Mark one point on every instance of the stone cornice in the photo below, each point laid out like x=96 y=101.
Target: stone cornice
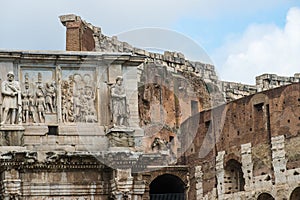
x=72 y=56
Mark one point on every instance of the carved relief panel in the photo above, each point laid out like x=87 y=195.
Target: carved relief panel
x=39 y=95
x=49 y=94
x=78 y=96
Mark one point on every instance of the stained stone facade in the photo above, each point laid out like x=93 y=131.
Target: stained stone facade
x=86 y=124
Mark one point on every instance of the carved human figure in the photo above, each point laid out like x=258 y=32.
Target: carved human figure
x=11 y=98
x=64 y=110
x=119 y=108
x=40 y=103
x=25 y=103
x=77 y=105
x=89 y=99
x=32 y=110
x=50 y=97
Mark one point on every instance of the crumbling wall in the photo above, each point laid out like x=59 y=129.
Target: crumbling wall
x=234 y=90
x=269 y=123
x=83 y=36
x=269 y=81
x=173 y=61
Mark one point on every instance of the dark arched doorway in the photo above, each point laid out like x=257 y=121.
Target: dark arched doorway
x=265 y=196
x=295 y=194
x=234 y=179
x=167 y=187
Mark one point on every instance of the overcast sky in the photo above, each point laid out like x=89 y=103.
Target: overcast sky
x=242 y=39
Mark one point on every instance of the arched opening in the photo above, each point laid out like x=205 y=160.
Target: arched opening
x=295 y=194
x=167 y=187
x=265 y=196
x=233 y=179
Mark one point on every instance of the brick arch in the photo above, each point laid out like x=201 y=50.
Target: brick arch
x=259 y=98
x=232 y=156
x=167 y=186
x=179 y=172
x=265 y=196
x=182 y=175
x=295 y=194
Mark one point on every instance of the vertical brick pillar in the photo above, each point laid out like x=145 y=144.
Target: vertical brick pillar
x=79 y=36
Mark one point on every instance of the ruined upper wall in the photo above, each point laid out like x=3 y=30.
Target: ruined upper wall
x=269 y=81
x=83 y=36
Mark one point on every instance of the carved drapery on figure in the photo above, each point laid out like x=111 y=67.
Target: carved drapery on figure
x=78 y=99
x=119 y=106
x=12 y=104
x=28 y=103
x=38 y=99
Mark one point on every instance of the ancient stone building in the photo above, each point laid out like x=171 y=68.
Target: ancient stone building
x=105 y=120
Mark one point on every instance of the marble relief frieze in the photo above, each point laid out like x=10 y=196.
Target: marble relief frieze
x=55 y=95
x=39 y=96
x=78 y=96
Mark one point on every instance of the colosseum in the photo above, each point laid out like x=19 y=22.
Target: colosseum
x=104 y=120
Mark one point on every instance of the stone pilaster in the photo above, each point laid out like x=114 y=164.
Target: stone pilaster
x=139 y=188
x=247 y=165
x=11 y=185
x=122 y=184
x=199 y=183
x=220 y=174
x=278 y=159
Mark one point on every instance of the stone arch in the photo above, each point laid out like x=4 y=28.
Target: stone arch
x=234 y=177
x=295 y=194
x=265 y=196
x=167 y=186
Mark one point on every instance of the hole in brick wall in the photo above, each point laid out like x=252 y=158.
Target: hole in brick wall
x=207 y=124
x=268 y=178
x=52 y=130
x=299 y=118
x=238 y=132
x=250 y=129
x=288 y=121
x=194 y=107
x=259 y=106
